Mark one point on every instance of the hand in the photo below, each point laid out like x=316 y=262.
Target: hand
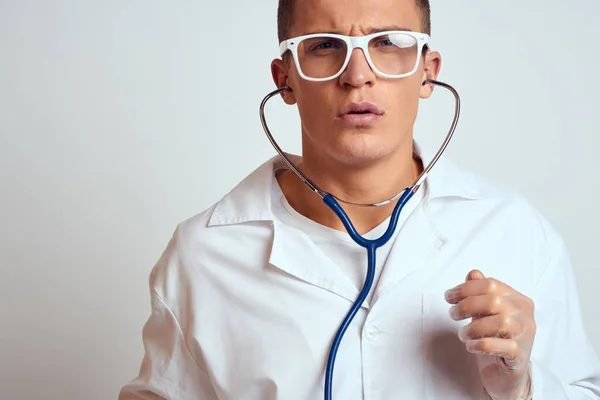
x=501 y=333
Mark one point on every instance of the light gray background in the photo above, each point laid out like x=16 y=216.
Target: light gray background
x=120 y=118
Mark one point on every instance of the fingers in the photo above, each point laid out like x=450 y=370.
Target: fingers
x=498 y=326
x=474 y=275
x=481 y=306
x=476 y=287
x=507 y=349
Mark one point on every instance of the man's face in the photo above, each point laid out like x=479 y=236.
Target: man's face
x=328 y=131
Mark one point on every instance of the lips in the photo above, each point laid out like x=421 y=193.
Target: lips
x=360 y=115
x=361 y=108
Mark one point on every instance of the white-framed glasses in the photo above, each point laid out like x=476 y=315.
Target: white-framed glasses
x=324 y=56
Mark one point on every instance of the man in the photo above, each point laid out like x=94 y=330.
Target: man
x=474 y=297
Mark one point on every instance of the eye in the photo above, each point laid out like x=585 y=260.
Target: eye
x=385 y=43
x=325 y=45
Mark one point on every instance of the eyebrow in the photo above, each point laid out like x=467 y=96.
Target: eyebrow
x=369 y=30
x=388 y=28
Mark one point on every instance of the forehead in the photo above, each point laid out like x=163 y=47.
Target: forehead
x=354 y=17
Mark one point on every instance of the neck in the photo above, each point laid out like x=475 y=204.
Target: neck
x=362 y=184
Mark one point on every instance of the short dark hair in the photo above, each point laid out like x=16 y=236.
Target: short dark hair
x=286 y=8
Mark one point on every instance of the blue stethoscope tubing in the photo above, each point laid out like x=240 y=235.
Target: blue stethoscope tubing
x=370 y=245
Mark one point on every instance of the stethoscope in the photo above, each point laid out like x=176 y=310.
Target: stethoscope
x=371 y=245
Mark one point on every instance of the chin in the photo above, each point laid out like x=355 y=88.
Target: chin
x=354 y=147
x=363 y=150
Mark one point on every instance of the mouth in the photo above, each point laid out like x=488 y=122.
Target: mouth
x=362 y=109
x=361 y=114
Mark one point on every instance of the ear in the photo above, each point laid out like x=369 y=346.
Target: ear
x=279 y=71
x=433 y=64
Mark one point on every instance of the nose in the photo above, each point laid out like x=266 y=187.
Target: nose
x=358 y=72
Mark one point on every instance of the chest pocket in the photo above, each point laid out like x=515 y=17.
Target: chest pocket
x=451 y=371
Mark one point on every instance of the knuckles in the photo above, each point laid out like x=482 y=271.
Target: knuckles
x=492 y=285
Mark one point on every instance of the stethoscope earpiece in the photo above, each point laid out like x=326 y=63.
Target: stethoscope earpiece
x=283 y=89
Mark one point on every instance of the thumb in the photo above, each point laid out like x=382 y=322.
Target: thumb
x=475 y=275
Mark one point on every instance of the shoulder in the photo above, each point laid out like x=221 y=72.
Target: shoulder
x=495 y=216
x=507 y=202
x=209 y=236
x=170 y=274
x=494 y=199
